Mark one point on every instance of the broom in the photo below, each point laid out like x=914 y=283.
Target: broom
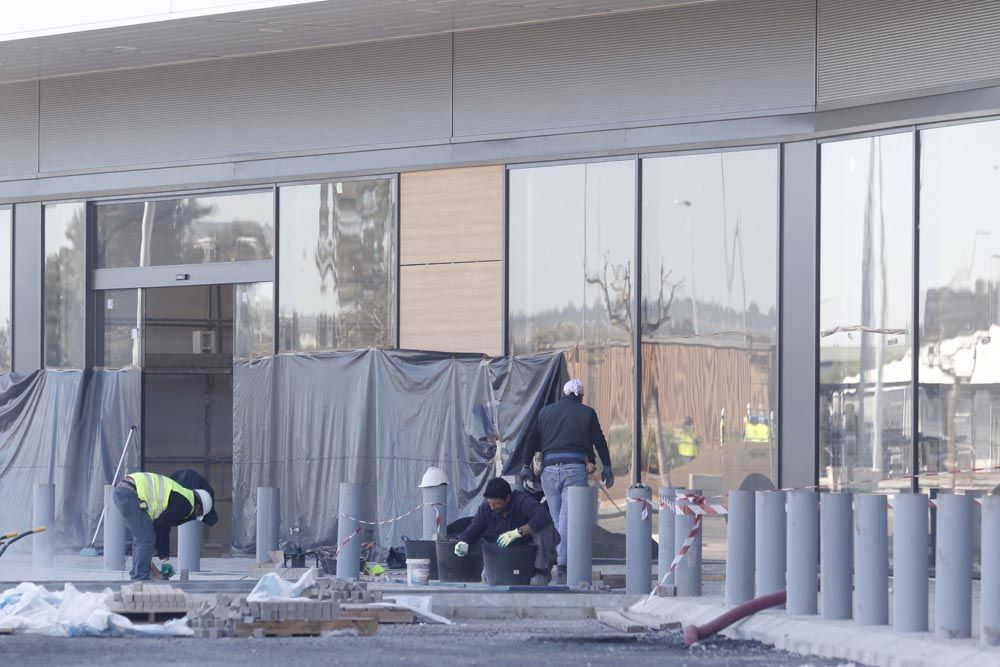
x=91 y=550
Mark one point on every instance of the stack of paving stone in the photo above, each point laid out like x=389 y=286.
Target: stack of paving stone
x=216 y=616
x=140 y=598
x=341 y=590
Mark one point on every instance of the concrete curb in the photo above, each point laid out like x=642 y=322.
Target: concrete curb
x=809 y=635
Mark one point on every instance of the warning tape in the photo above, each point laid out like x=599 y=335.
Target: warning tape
x=385 y=522
x=689 y=541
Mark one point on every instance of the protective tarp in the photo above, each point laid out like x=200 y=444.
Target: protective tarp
x=67 y=428
x=306 y=422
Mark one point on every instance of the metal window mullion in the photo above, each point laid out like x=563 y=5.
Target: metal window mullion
x=915 y=320
x=637 y=333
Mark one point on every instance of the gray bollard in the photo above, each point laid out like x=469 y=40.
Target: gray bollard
x=990 y=579
x=802 y=552
x=953 y=569
x=740 y=547
x=769 y=542
x=687 y=574
x=638 y=540
x=189 y=538
x=871 y=560
x=667 y=549
x=43 y=514
x=435 y=499
x=910 y=542
x=836 y=555
x=114 y=532
x=268 y=516
x=348 y=535
x=581 y=501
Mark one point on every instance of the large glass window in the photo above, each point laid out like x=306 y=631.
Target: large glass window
x=253 y=321
x=120 y=321
x=187 y=230
x=959 y=370
x=571 y=249
x=6 y=280
x=866 y=342
x=65 y=284
x=710 y=322
x=337 y=269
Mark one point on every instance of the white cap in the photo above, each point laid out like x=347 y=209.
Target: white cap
x=574 y=386
x=433 y=477
x=206 y=502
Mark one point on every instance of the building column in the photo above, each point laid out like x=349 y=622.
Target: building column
x=28 y=272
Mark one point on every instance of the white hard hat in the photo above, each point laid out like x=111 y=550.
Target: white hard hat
x=433 y=477
x=206 y=502
x=574 y=386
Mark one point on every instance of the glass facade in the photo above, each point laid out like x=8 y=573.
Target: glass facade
x=866 y=302
x=120 y=328
x=188 y=230
x=338 y=265
x=253 y=321
x=65 y=284
x=6 y=293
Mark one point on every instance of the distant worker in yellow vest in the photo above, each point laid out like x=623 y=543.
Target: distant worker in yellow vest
x=759 y=429
x=153 y=504
x=686 y=442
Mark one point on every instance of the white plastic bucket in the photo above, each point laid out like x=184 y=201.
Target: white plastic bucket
x=418 y=571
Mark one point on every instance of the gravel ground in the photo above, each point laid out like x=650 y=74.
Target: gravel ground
x=576 y=643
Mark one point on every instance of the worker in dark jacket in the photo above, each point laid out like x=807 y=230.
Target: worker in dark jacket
x=153 y=504
x=513 y=517
x=566 y=433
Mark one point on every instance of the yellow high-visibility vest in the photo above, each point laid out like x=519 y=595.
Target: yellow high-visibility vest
x=154 y=490
x=686 y=443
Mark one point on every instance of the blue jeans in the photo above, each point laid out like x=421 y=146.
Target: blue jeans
x=556 y=480
x=141 y=527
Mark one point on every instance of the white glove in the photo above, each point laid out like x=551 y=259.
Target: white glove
x=461 y=549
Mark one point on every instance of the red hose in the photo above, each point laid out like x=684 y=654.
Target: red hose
x=695 y=633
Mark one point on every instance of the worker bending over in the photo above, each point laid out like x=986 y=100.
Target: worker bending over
x=153 y=504
x=513 y=517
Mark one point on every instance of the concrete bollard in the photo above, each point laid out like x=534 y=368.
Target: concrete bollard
x=43 y=514
x=910 y=541
x=687 y=574
x=268 y=516
x=348 y=537
x=114 y=532
x=740 y=547
x=667 y=549
x=953 y=569
x=871 y=560
x=769 y=542
x=435 y=499
x=990 y=566
x=638 y=539
x=802 y=552
x=836 y=555
x=580 y=530
x=189 y=538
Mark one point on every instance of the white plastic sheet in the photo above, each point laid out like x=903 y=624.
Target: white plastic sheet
x=273 y=587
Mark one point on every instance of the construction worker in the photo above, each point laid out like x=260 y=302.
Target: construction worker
x=566 y=433
x=686 y=441
x=513 y=517
x=153 y=504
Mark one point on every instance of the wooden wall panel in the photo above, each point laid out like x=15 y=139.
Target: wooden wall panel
x=451 y=215
x=452 y=307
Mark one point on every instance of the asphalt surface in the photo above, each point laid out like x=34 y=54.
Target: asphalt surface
x=493 y=643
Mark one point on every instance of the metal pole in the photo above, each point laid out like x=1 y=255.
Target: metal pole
x=989 y=634
x=580 y=532
x=740 y=547
x=114 y=532
x=638 y=540
x=267 y=522
x=871 y=560
x=910 y=542
x=667 y=548
x=802 y=552
x=687 y=575
x=44 y=515
x=953 y=568
x=769 y=542
x=435 y=498
x=348 y=536
x=836 y=555
x=189 y=546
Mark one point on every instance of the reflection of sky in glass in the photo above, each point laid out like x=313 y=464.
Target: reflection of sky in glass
x=5 y=286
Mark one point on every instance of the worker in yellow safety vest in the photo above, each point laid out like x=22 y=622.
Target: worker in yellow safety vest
x=153 y=504
x=686 y=441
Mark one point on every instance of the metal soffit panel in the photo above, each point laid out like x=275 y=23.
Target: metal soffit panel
x=302 y=26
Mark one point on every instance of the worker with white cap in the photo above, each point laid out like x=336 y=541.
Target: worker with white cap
x=566 y=434
x=153 y=504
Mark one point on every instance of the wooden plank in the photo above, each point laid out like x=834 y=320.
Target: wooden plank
x=380 y=614
x=6 y=631
x=363 y=626
x=619 y=622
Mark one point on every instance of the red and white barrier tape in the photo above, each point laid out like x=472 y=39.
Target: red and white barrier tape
x=685 y=548
x=384 y=522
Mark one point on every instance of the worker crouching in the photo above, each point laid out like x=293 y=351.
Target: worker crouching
x=513 y=517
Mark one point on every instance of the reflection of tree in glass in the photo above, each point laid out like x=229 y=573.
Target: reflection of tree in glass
x=65 y=289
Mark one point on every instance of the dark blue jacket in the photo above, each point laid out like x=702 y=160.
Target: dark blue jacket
x=522 y=509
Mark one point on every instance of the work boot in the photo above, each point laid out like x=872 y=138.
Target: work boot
x=541 y=578
x=560 y=575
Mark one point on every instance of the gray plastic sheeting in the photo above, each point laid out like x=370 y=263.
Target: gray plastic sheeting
x=66 y=428
x=306 y=422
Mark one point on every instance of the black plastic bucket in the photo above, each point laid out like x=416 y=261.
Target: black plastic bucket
x=511 y=566
x=466 y=569
x=422 y=549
